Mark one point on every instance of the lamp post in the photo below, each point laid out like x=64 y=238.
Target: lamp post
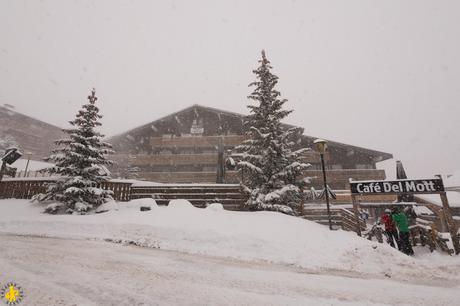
x=28 y=154
x=320 y=146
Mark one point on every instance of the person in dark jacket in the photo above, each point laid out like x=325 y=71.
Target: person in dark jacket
x=390 y=229
x=400 y=219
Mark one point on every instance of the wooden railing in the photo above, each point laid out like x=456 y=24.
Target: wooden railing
x=196 y=141
x=22 y=188
x=141 y=160
x=340 y=217
x=199 y=177
x=27 y=188
x=200 y=195
x=121 y=190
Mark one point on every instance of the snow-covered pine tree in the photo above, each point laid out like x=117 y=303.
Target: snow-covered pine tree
x=80 y=161
x=270 y=165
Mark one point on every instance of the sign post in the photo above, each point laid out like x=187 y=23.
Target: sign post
x=453 y=229
x=356 y=213
x=399 y=187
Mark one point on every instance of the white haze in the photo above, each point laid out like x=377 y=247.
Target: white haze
x=379 y=74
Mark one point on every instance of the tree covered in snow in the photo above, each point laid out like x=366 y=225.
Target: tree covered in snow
x=80 y=162
x=270 y=165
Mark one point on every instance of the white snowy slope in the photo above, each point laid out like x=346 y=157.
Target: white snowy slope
x=266 y=236
x=193 y=256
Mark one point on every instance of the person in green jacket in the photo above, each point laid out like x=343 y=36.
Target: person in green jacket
x=400 y=219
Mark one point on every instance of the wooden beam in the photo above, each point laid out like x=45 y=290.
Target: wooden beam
x=356 y=212
x=452 y=227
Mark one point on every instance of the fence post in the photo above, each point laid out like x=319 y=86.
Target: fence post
x=453 y=229
x=356 y=212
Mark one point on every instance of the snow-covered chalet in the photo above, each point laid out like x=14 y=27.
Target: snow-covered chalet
x=182 y=148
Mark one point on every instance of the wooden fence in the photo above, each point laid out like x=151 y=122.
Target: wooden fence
x=23 y=189
x=26 y=189
x=341 y=217
x=200 y=195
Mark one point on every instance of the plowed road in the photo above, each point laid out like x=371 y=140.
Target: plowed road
x=79 y=272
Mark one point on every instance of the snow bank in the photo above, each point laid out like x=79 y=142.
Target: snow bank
x=138 y=203
x=111 y=205
x=181 y=206
x=215 y=207
x=267 y=236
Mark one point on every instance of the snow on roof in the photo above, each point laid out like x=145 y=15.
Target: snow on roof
x=34 y=165
x=452 y=196
x=422 y=210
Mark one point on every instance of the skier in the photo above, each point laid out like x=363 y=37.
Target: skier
x=390 y=229
x=400 y=220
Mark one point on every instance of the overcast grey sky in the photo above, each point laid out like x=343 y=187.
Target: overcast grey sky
x=379 y=74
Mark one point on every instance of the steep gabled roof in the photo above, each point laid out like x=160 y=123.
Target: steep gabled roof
x=378 y=155
x=31 y=135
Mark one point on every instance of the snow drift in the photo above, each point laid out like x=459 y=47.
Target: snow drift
x=266 y=236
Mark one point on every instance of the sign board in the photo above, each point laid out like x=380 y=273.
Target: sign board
x=196 y=130
x=397 y=187
x=11 y=155
x=405 y=187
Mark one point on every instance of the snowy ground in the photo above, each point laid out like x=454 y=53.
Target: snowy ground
x=209 y=256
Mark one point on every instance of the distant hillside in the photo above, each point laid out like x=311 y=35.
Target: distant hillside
x=29 y=134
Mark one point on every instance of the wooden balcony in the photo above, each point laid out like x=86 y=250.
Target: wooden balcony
x=196 y=141
x=184 y=159
x=337 y=179
x=141 y=160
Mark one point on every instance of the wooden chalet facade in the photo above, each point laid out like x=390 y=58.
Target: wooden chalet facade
x=182 y=148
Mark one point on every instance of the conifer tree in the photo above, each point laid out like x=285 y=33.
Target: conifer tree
x=80 y=162
x=270 y=165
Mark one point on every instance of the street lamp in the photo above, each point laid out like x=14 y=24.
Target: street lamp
x=320 y=146
x=28 y=155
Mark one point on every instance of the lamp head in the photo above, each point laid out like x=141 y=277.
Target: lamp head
x=320 y=146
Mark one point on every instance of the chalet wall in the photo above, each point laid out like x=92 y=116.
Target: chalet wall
x=196 y=141
x=337 y=179
x=182 y=148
